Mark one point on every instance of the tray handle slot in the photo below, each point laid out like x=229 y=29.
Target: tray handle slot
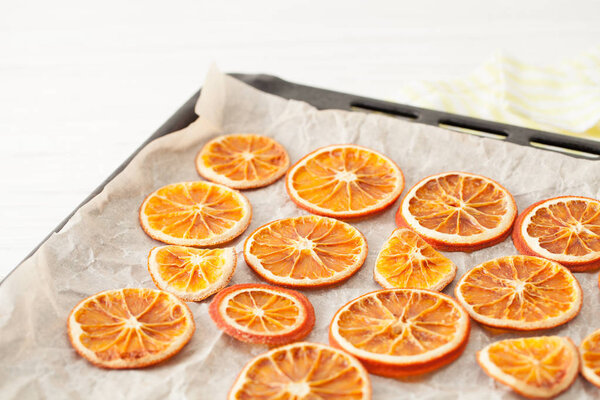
x=473 y=129
x=565 y=149
x=388 y=109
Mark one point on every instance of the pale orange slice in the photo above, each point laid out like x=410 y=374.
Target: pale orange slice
x=307 y=251
x=407 y=261
x=399 y=332
x=242 y=161
x=130 y=328
x=458 y=211
x=195 y=214
x=564 y=229
x=590 y=358
x=266 y=314
x=520 y=292
x=189 y=273
x=309 y=371
x=535 y=367
x=344 y=181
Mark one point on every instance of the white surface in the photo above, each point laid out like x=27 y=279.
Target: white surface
x=83 y=83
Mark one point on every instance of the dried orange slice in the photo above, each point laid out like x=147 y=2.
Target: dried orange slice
x=458 y=211
x=520 y=292
x=407 y=261
x=242 y=161
x=307 y=251
x=400 y=332
x=344 y=181
x=590 y=358
x=564 y=229
x=189 y=273
x=129 y=328
x=302 y=371
x=257 y=313
x=195 y=214
x=535 y=367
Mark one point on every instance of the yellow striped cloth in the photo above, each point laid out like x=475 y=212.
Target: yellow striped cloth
x=564 y=98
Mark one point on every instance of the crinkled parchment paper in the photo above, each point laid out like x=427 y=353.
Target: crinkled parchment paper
x=103 y=247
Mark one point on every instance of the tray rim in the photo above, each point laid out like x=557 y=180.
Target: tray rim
x=185 y=115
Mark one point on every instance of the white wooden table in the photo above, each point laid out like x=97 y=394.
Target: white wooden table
x=83 y=83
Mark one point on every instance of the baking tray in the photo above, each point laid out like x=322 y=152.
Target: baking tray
x=328 y=99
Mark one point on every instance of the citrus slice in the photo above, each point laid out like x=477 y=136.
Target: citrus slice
x=257 y=313
x=302 y=371
x=344 y=181
x=308 y=251
x=458 y=211
x=189 y=273
x=564 y=229
x=535 y=367
x=590 y=358
x=129 y=328
x=407 y=261
x=242 y=161
x=195 y=214
x=400 y=332
x=520 y=292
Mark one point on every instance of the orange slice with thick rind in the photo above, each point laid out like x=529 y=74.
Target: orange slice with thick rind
x=520 y=292
x=130 y=328
x=400 y=332
x=195 y=214
x=535 y=367
x=458 y=211
x=564 y=229
x=258 y=313
x=242 y=161
x=308 y=251
x=302 y=371
x=407 y=261
x=344 y=181
x=189 y=273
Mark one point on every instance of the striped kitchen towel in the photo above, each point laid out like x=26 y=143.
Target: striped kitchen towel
x=564 y=98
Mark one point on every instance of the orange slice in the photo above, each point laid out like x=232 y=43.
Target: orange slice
x=590 y=358
x=407 y=261
x=344 y=181
x=400 y=332
x=307 y=251
x=189 y=273
x=564 y=229
x=129 y=328
x=195 y=214
x=242 y=161
x=535 y=367
x=267 y=314
x=520 y=292
x=458 y=211
x=302 y=370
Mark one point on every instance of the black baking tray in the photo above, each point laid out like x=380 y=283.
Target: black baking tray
x=328 y=99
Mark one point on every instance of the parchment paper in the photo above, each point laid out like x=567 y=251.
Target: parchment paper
x=103 y=247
